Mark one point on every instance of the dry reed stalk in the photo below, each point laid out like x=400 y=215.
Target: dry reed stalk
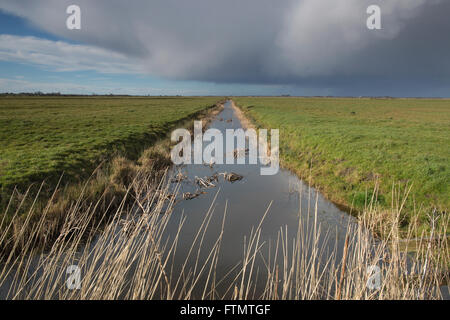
x=344 y=263
x=130 y=257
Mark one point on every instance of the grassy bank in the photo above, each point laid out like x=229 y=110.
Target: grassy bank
x=350 y=147
x=97 y=175
x=41 y=137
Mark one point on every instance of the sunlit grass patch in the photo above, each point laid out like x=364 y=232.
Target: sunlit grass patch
x=345 y=146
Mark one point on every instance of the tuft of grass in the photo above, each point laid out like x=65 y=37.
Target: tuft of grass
x=157 y=157
x=123 y=172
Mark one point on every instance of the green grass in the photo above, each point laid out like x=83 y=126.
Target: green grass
x=345 y=144
x=41 y=137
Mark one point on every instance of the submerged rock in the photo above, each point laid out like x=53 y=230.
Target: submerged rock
x=178 y=178
x=190 y=196
x=232 y=177
x=205 y=182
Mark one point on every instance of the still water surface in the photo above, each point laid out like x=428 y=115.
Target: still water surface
x=246 y=202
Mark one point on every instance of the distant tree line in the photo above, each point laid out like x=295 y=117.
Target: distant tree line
x=58 y=94
x=37 y=93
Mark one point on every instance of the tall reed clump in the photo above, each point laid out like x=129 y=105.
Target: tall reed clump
x=27 y=215
x=130 y=254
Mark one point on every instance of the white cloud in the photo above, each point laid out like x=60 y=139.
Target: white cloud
x=62 y=56
x=15 y=85
x=66 y=87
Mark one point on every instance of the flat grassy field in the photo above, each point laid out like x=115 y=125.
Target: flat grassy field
x=347 y=144
x=40 y=137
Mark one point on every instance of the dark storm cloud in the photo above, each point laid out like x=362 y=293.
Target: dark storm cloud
x=315 y=43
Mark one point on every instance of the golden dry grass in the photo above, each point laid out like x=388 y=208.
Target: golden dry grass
x=129 y=257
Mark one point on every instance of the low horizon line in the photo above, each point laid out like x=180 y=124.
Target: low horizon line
x=58 y=94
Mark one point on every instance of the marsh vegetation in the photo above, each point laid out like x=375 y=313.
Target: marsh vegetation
x=137 y=232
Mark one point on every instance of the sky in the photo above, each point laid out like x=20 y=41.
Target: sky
x=233 y=47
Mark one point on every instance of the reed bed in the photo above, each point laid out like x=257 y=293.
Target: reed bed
x=129 y=254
